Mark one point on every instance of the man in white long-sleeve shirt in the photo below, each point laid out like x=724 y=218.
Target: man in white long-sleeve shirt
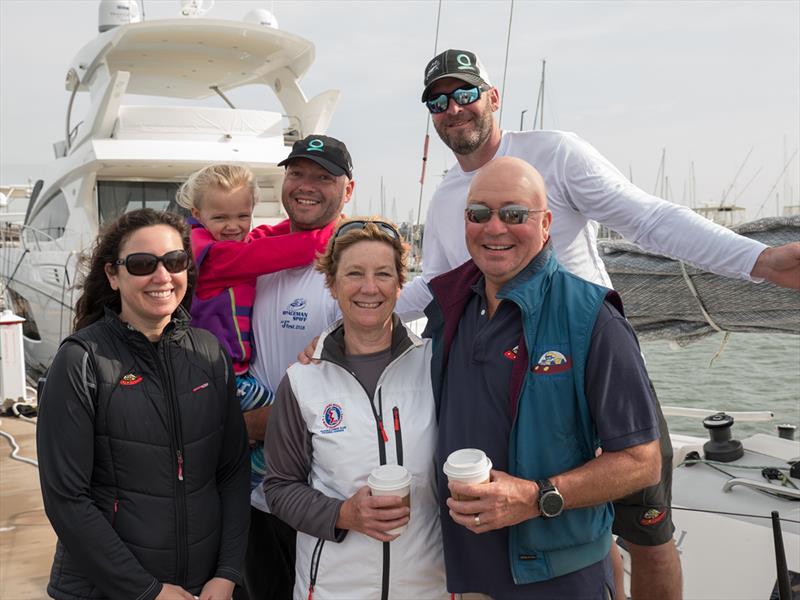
x=583 y=188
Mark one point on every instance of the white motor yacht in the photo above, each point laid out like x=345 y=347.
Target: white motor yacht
x=122 y=156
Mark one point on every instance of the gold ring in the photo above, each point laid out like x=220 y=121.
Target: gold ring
x=477 y=520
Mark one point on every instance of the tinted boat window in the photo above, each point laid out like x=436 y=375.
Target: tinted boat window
x=118 y=197
x=49 y=221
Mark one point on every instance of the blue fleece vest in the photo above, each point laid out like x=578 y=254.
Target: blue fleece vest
x=553 y=431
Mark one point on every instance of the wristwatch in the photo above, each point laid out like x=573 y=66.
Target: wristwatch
x=551 y=502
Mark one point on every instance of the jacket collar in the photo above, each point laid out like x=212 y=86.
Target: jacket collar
x=177 y=326
x=330 y=345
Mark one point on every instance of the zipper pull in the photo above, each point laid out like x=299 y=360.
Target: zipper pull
x=310 y=592
x=396 y=414
x=383 y=432
x=180 y=466
x=116 y=505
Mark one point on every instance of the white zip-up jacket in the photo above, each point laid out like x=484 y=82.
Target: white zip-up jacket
x=322 y=442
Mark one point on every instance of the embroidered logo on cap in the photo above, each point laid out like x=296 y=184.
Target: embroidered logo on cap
x=315 y=145
x=552 y=362
x=130 y=379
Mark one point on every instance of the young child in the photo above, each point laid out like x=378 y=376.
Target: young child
x=229 y=258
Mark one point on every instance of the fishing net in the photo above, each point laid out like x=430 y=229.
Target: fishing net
x=669 y=299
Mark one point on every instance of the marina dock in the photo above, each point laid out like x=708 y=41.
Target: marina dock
x=27 y=541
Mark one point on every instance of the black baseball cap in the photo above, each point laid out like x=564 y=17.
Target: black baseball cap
x=327 y=152
x=460 y=64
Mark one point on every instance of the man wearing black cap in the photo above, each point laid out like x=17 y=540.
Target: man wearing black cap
x=582 y=188
x=291 y=307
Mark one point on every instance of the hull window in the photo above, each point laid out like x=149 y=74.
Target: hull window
x=116 y=198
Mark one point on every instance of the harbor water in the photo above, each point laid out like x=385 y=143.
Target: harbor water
x=753 y=372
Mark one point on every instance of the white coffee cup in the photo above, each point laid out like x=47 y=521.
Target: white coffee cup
x=468 y=465
x=391 y=480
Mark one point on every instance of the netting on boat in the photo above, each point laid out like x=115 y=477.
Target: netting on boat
x=668 y=299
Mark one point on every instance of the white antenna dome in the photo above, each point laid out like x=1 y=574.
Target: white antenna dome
x=113 y=13
x=261 y=16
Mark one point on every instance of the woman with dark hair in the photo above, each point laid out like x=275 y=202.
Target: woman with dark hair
x=142 y=447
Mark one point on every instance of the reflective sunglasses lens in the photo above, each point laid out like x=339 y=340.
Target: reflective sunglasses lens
x=466 y=96
x=141 y=263
x=513 y=215
x=478 y=214
x=176 y=261
x=438 y=104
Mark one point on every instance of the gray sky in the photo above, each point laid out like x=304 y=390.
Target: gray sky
x=707 y=81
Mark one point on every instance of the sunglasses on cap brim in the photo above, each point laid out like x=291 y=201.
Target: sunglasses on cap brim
x=510 y=215
x=359 y=225
x=462 y=96
x=144 y=263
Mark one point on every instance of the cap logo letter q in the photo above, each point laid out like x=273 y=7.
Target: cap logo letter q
x=464 y=61
x=315 y=145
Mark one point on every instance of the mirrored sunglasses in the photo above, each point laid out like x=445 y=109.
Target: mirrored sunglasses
x=144 y=263
x=358 y=225
x=462 y=96
x=510 y=215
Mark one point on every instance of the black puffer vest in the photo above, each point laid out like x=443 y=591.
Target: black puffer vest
x=160 y=412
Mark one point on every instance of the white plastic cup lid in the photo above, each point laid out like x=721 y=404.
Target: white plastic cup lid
x=389 y=477
x=467 y=462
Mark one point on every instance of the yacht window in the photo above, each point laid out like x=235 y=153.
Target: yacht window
x=116 y=198
x=49 y=221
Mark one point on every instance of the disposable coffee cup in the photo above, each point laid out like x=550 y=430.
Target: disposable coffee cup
x=391 y=480
x=468 y=465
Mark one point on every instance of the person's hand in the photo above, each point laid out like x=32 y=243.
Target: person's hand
x=217 y=588
x=173 y=592
x=306 y=356
x=779 y=265
x=503 y=502
x=373 y=515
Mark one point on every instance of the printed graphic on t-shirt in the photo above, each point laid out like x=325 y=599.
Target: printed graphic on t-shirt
x=295 y=315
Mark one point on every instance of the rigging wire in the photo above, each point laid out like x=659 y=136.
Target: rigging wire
x=417 y=244
x=505 y=64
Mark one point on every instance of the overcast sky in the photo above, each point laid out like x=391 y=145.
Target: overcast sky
x=707 y=81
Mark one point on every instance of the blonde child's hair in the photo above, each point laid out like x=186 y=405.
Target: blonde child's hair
x=222 y=176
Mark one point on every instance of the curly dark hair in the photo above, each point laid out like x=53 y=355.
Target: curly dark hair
x=96 y=290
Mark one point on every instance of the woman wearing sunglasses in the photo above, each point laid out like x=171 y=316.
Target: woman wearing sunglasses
x=367 y=402
x=142 y=447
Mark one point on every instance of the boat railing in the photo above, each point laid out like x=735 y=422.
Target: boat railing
x=761 y=486
x=702 y=413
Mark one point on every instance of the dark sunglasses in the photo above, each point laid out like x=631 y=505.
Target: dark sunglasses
x=461 y=96
x=359 y=225
x=510 y=215
x=144 y=263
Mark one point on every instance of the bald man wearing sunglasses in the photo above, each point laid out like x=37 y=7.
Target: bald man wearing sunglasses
x=544 y=518
x=583 y=189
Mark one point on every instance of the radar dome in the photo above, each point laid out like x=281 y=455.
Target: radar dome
x=113 y=13
x=261 y=16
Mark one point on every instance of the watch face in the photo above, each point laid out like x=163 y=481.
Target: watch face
x=552 y=503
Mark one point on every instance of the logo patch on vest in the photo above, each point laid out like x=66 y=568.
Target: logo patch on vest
x=552 y=362
x=512 y=354
x=202 y=386
x=332 y=417
x=652 y=516
x=130 y=379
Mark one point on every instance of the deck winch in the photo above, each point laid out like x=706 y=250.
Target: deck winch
x=721 y=447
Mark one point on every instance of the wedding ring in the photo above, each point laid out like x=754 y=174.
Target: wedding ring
x=477 y=520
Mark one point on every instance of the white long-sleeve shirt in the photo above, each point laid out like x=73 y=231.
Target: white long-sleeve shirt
x=583 y=189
